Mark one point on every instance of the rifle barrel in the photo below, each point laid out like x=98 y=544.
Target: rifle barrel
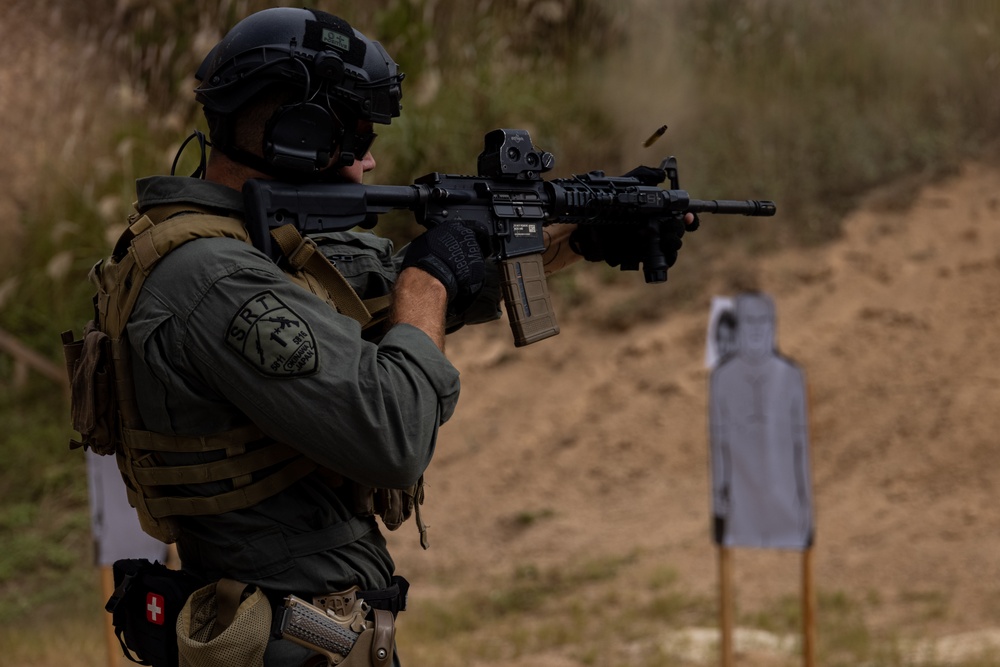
x=753 y=207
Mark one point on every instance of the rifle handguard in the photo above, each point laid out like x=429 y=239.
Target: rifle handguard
x=526 y=296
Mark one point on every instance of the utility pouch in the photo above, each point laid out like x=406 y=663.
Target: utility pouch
x=144 y=608
x=225 y=623
x=90 y=369
x=393 y=506
x=364 y=259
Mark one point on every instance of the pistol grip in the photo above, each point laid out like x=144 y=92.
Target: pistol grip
x=526 y=296
x=310 y=626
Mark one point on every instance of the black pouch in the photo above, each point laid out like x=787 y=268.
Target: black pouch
x=364 y=259
x=144 y=608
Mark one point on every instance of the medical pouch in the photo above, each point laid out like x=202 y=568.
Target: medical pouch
x=144 y=608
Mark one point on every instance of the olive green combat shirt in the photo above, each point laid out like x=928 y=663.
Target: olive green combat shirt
x=220 y=336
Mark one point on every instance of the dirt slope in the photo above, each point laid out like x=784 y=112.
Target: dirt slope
x=602 y=437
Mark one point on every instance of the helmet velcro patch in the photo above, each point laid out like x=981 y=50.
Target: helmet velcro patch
x=334 y=33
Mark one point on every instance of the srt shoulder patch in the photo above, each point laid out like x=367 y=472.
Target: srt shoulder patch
x=272 y=338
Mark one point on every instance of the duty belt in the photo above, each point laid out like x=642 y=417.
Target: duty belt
x=392 y=598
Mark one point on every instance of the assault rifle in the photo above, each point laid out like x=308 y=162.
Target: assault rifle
x=510 y=200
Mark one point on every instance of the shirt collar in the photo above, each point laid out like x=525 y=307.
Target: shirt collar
x=158 y=190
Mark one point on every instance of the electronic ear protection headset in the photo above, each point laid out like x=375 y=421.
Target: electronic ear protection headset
x=300 y=137
x=304 y=136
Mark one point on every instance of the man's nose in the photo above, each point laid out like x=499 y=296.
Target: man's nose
x=368 y=161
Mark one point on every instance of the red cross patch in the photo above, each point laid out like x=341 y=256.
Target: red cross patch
x=154 y=608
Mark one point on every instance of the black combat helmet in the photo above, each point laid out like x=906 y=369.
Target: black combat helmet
x=341 y=75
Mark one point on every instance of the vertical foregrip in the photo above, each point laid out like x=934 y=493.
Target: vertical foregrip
x=526 y=295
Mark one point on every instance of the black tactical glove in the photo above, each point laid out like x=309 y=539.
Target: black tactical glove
x=655 y=176
x=452 y=252
x=626 y=245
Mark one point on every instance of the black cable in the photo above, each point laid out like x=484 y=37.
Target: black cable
x=202 y=163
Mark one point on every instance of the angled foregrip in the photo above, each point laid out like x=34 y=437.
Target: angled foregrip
x=526 y=295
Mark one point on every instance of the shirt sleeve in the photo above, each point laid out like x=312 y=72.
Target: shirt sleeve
x=300 y=370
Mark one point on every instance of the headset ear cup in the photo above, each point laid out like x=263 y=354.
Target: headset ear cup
x=301 y=137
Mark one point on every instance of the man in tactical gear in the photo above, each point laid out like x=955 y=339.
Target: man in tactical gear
x=267 y=415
